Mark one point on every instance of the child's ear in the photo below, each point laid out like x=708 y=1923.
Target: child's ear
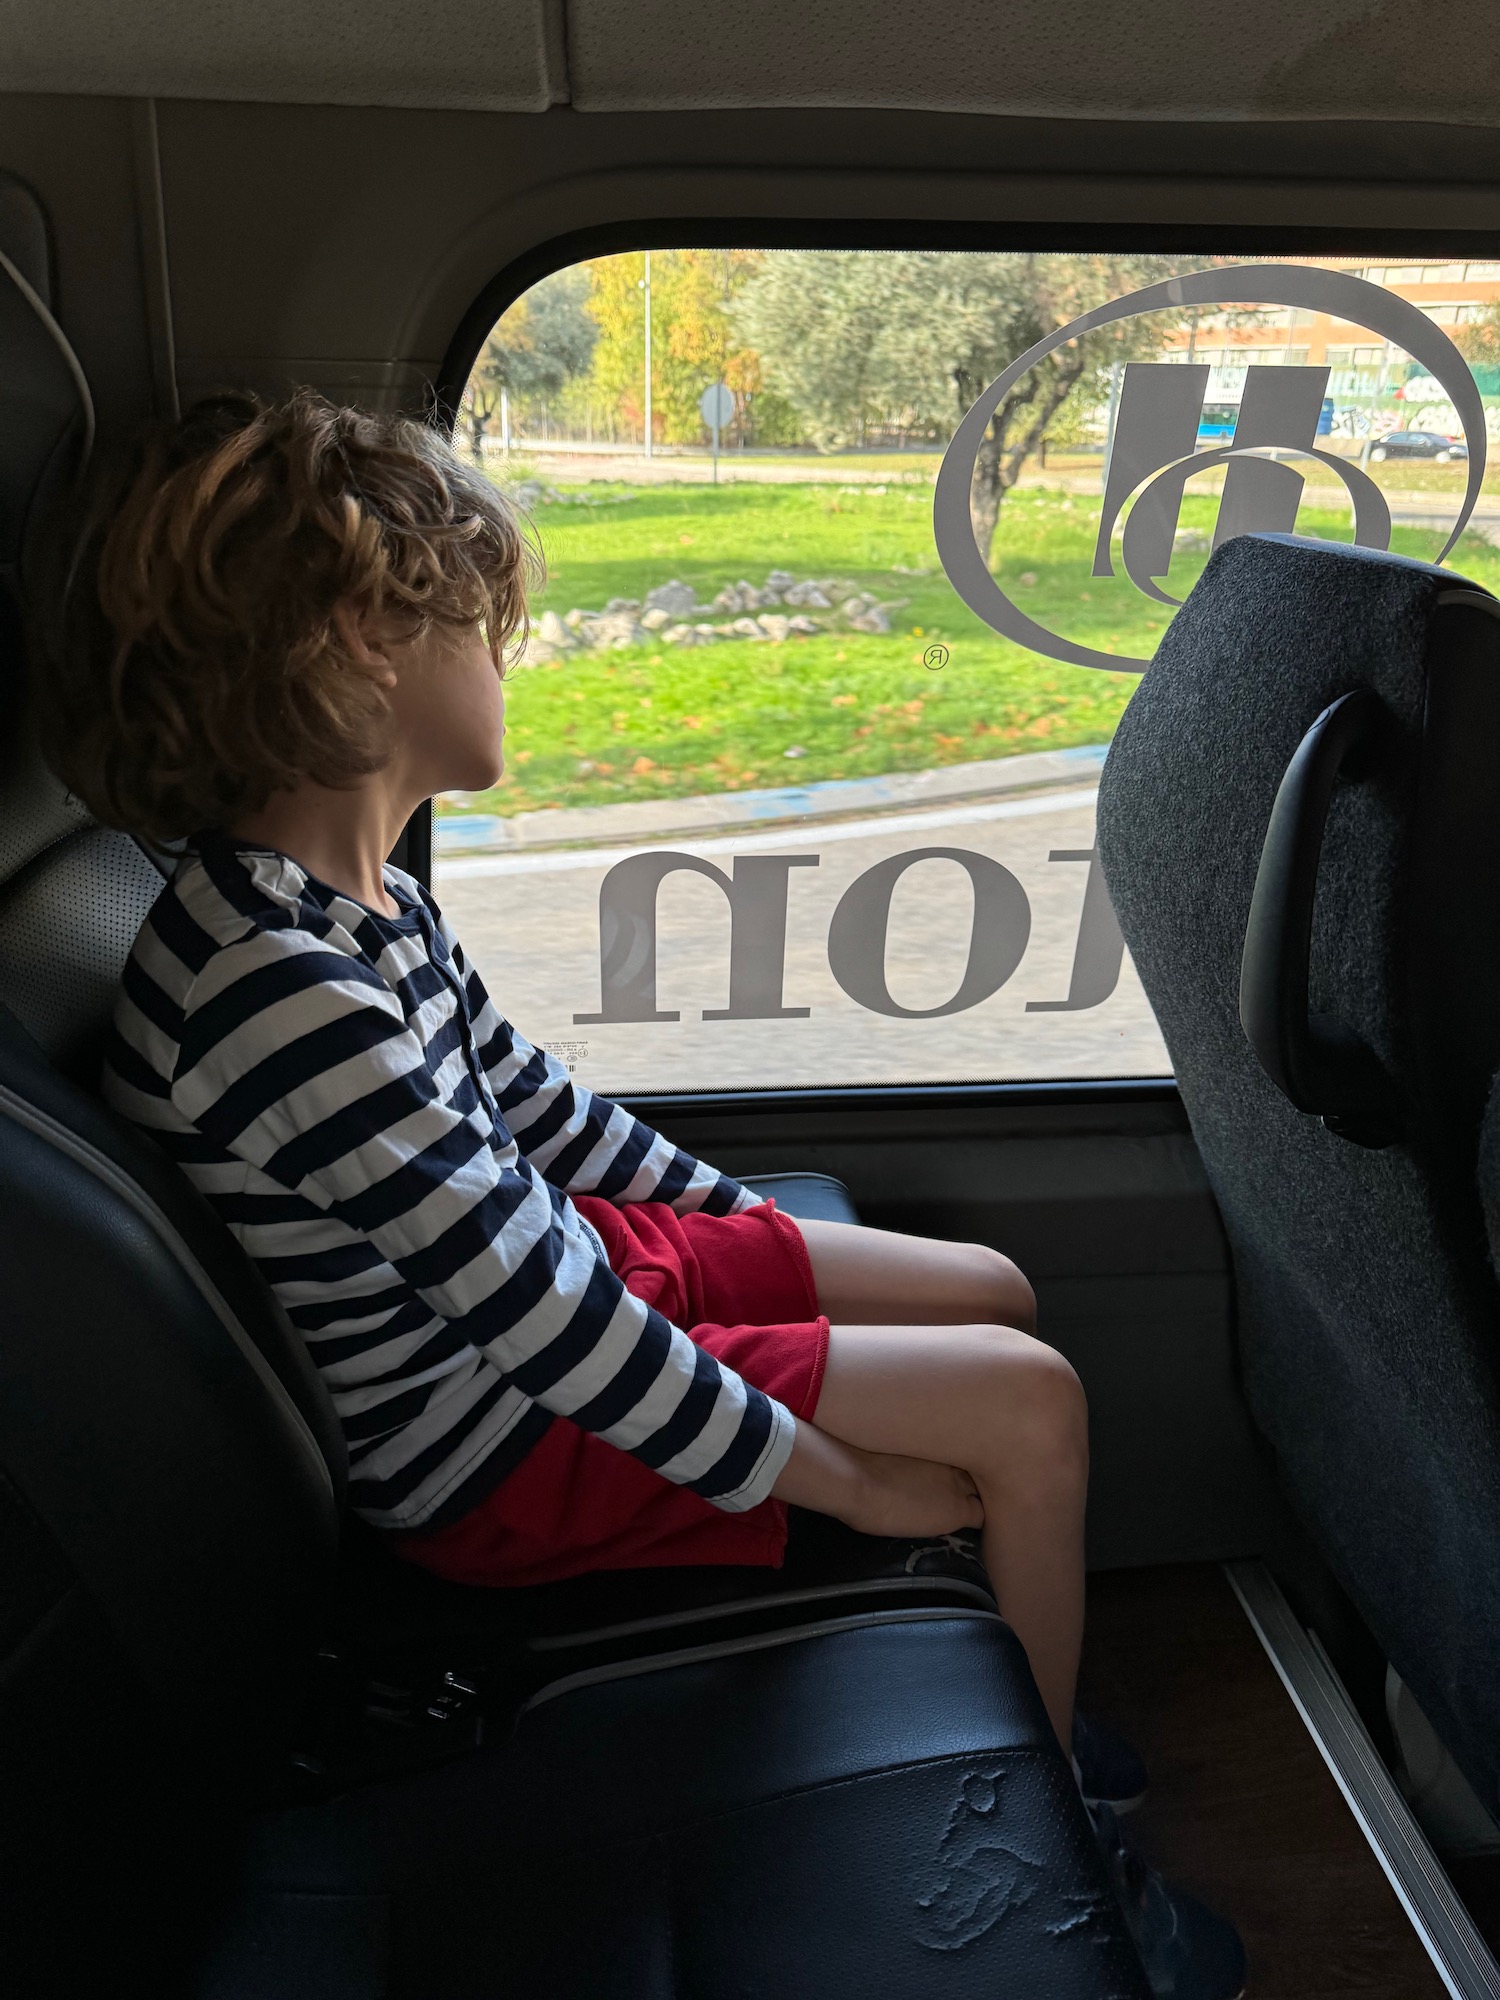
x=362 y=640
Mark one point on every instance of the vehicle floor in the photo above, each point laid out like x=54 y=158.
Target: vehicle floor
x=1242 y=1810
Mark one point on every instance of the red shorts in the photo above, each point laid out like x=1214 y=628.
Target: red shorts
x=742 y=1286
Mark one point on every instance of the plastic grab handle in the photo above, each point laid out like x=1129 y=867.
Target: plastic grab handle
x=1316 y=1062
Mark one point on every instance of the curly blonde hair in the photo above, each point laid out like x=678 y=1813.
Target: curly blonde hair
x=193 y=662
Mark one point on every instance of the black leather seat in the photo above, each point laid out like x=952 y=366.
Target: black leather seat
x=1312 y=897
x=873 y=1806
x=849 y=1792
x=206 y=1788
x=810 y=1197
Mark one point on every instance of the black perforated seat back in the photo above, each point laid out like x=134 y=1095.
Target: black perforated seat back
x=72 y=897
x=1369 y=1314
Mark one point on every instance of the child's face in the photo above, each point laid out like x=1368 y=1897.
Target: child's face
x=449 y=707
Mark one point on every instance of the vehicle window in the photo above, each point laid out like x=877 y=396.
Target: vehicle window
x=854 y=560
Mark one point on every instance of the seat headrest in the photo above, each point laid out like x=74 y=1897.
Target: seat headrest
x=1274 y=633
x=1277 y=627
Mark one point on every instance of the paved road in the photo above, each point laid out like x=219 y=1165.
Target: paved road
x=575 y=467
x=531 y=922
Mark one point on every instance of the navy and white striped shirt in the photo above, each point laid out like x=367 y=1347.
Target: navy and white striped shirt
x=398 y=1162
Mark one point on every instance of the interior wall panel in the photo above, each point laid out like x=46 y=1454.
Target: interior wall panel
x=343 y=247
x=78 y=156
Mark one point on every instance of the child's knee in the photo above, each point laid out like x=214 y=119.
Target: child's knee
x=1041 y=1437
x=1056 y=1403
x=1002 y=1290
x=1018 y=1298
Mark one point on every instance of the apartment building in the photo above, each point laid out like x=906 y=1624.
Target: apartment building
x=1370 y=380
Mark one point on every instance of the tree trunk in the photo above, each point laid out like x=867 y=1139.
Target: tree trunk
x=984 y=490
x=997 y=465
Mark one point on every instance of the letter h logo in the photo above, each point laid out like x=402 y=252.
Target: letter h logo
x=1154 y=455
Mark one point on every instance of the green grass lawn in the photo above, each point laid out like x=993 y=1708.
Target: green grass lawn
x=657 y=722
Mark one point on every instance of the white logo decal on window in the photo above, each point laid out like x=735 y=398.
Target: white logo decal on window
x=1156 y=432
x=756 y=893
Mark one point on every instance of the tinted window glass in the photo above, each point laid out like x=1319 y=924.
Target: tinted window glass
x=805 y=740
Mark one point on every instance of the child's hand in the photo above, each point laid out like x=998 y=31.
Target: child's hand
x=879 y=1493
x=913 y=1496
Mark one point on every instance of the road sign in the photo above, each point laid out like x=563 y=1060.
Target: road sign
x=716 y=406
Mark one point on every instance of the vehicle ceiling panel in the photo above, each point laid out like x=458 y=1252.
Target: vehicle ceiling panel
x=1275 y=59
x=1044 y=58
x=505 y=55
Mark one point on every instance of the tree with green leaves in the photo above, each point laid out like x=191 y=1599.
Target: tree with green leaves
x=819 y=320
x=1479 y=344
x=547 y=338
x=854 y=337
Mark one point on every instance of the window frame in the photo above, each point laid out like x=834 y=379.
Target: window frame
x=1382 y=248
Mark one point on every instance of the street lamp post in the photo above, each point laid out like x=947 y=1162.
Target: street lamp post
x=646 y=288
x=1380 y=385
x=1115 y=375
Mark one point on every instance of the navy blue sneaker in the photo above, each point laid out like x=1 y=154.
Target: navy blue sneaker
x=1188 y=1952
x=1109 y=1772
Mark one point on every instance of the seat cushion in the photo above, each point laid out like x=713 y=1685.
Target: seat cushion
x=399 y=1629
x=872 y=1805
x=810 y=1197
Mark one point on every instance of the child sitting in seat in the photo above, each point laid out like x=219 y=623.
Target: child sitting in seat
x=557 y=1343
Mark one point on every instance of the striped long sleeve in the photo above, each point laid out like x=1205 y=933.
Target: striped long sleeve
x=398 y=1161
x=579 y=1140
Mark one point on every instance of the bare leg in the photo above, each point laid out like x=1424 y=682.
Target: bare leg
x=1010 y=1413
x=877 y=1277
x=932 y=1357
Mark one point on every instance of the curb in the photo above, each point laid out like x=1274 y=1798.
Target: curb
x=726 y=812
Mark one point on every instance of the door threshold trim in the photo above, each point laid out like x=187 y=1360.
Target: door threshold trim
x=1462 y=1959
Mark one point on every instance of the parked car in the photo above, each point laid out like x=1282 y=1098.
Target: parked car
x=1419 y=444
